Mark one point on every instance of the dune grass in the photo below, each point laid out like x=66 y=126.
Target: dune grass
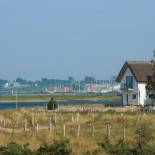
x=117 y=121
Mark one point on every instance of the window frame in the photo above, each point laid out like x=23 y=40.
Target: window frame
x=129 y=82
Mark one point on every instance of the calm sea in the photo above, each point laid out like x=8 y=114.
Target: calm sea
x=11 y=105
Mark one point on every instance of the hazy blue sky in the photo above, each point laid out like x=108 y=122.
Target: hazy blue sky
x=58 y=38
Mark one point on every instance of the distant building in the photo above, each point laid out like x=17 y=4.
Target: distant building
x=67 y=89
x=6 y=85
x=12 y=85
x=90 y=88
x=133 y=78
x=56 y=89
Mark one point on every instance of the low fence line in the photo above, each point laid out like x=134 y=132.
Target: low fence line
x=88 y=109
x=64 y=130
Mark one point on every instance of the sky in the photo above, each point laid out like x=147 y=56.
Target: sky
x=61 y=38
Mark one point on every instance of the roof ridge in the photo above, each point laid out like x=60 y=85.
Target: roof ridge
x=140 y=61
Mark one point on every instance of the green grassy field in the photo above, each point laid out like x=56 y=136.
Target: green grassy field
x=93 y=127
x=46 y=97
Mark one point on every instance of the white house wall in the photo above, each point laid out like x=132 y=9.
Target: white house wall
x=142 y=93
x=130 y=93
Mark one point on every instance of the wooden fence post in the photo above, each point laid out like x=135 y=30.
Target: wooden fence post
x=50 y=124
x=72 y=118
x=108 y=131
x=2 y=123
x=32 y=121
x=37 y=128
x=64 y=130
x=55 y=118
x=124 y=133
x=93 y=131
x=78 y=131
x=77 y=117
x=25 y=125
x=93 y=116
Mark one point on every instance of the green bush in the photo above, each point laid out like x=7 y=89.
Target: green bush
x=60 y=147
x=52 y=104
x=144 y=150
x=106 y=145
x=15 y=149
x=121 y=148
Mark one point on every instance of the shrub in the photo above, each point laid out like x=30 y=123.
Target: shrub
x=15 y=149
x=61 y=147
x=106 y=145
x=52 y=104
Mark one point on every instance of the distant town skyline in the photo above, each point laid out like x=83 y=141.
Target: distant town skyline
x=57 y=39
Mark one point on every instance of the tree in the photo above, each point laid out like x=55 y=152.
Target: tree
x=71 y=79
x=21 y=81
x=150 y=87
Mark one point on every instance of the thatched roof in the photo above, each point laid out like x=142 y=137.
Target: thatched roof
x=141 y=70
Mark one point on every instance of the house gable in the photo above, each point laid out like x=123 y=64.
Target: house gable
x=140 y=70
x=129 y=72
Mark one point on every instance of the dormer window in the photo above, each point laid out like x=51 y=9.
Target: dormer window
x=129 y=82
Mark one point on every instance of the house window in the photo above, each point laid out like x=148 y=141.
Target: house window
x=151 y=96
x=134 y=96
x=129 y=81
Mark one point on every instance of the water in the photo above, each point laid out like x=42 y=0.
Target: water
x=11 y=105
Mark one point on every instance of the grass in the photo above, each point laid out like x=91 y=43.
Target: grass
x=117 y=121
x=46 y=97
